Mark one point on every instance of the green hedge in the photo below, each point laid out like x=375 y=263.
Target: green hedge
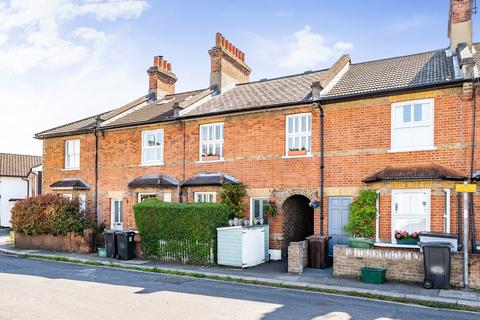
x=48 y=214
x=180 y=232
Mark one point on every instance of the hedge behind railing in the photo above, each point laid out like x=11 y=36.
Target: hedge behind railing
x=180 y=232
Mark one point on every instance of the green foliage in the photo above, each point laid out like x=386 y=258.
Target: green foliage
x=362 y=215
x=270 y=208
x=232 y=196
x=48 y=214
x=180 y=232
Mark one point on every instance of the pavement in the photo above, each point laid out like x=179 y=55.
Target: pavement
x=40 y=289
x=275 y=273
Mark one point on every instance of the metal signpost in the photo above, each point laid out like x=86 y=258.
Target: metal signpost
x=465 y=188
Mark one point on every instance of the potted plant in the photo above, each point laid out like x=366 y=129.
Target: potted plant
x=314 y=203
x=270 y=209
x=210 y=157
x=362 y=216
x=297 y=151
x=403 y=237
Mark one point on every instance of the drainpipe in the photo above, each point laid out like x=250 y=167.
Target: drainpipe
x=322 y=166
x=447 y=211
x=95 y=132
x=459 y=220
x=377 y=220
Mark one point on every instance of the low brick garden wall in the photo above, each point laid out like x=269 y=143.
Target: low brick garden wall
x=402 y=265
x=71 y=242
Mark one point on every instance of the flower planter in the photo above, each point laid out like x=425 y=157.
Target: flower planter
x=362 y=243
x=210 y=158
x=102 y=252
x=412 y=242
x=373 y=275
x=297 y=153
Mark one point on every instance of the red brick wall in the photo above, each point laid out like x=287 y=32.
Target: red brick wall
x=357 y=143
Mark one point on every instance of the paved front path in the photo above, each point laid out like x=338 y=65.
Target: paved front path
x=35 y=289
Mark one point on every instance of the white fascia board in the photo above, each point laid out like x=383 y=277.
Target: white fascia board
x=335 y=80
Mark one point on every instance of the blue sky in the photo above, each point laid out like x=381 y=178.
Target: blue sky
x=65 y=60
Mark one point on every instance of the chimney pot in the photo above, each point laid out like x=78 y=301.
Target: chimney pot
x=227 y=72
x=161 y=81
x=218 y=39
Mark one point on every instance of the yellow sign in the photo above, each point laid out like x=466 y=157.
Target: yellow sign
x=470 y=188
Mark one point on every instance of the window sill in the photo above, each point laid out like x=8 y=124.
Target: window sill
x=151 y=164
x=70 y=169
x=301 y=156
x=394 y=245
x=412 y=150
x=210 y=161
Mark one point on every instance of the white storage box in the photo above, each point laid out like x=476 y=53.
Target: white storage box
x=242 y=247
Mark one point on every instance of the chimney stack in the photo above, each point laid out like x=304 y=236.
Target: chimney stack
x=460 y=23
x=161 y=79
x=228 y=64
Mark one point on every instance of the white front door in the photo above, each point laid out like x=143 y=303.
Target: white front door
x=410 y=210
x=117 y=214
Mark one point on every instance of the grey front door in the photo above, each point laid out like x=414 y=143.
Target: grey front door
x=338 y=211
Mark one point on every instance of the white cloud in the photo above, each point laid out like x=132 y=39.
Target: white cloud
x=37 y=24
x=90 y=34
x=309 y=49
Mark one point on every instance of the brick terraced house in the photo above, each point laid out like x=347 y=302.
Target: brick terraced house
x=404 y=126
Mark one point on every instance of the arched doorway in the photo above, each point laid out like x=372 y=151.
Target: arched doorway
x=298 y=220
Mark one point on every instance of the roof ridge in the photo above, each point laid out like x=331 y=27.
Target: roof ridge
x=397 y=57
x=283 y=77
x=19 y=154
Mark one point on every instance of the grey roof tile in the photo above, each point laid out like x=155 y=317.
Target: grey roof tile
x=17 y=165
x=393 y=73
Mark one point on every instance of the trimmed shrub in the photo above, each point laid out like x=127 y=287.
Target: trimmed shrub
x=48 y=214
x=180 y=232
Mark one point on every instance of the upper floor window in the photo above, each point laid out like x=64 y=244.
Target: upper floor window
x=299 y=134
x=205 y=196
x=211 y=142
x=152 y=147
x=72 y=154
x=412 y=125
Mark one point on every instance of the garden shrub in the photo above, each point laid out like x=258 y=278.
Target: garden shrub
x=232 y=195
x=180 y=232
x=48 y=214
x=362 y=215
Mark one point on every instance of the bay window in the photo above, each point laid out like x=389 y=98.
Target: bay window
x=410 y=210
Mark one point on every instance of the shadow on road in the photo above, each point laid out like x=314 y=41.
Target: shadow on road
x=292 y=304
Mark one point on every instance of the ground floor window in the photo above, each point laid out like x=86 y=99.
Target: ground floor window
x=167 y=197
x=205 y=196
x=82 y=200
x=410 y=210
x=143 y=196
x=256 y=207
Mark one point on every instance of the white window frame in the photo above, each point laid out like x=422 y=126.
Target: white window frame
x=202 y=194
x=155 y=162
x=68 y=196
x=394 y=216
x=307 y=133
x=252 y=199
x=82 y=201
x=412 y=124
x=75 y=155
x=211 y=142
x=140 y=194
x=167 y=197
